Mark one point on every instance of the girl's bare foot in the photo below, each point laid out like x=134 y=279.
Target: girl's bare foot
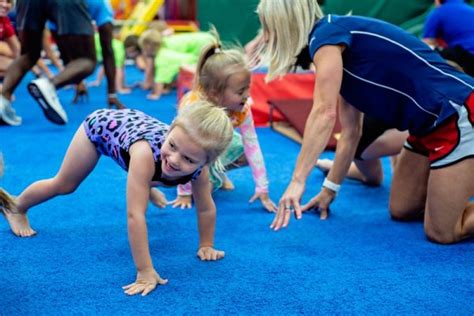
x=19 y=224
x=227 y=185
x=18 y=221
x=324 y=165
x=124 y=91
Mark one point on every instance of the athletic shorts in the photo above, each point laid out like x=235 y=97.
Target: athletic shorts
x=100 y=12
x=70 y=16
x=450 y=142
x=371 y=130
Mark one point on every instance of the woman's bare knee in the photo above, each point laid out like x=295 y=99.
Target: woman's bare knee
x=439 y=235
x=400 y=212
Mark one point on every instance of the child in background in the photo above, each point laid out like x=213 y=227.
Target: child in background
x=153 y=154
x=222 y=77
x=165 y=53
x=148 y=45
x=9 y=44
x=448 y=30
x=9 y=50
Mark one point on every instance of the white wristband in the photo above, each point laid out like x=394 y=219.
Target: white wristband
x=331 y=185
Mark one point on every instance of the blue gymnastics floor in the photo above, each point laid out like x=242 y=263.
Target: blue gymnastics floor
x=357 y=262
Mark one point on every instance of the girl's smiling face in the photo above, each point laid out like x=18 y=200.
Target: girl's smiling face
x=236 y=92
x=180 y=156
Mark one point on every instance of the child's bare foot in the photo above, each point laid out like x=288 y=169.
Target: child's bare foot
x=18 y=222
x=153 y=96
x=227 y=185
x=324 y=165
x=124 y=90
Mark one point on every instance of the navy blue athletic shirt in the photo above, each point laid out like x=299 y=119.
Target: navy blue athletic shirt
x=390 y=74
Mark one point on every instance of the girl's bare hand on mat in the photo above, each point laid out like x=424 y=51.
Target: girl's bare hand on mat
x=146 y=282
x=267 y=203
x=182 y=201
x=210 y=254
x=158 y=198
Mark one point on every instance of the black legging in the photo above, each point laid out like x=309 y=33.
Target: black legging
x=78 y=55
x=461 y=57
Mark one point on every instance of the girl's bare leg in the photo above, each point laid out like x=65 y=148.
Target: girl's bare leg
x=389 y=143
x=227 y=185
x=80 y=159
x=369 y=170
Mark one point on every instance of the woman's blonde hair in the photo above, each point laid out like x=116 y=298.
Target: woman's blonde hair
x=207 y=125
x=287 y=23
x=216 y=65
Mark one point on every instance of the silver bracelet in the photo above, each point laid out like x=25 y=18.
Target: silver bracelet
x=112 y=95
x=331 y=185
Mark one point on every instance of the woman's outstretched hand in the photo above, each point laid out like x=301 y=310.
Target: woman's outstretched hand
x=320 y=203
x=289 y=204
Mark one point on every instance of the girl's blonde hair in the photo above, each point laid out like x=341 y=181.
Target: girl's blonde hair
x=216 y=65
x=207 y=125
x=150 y=36
x=287 y=23
x=158 y=25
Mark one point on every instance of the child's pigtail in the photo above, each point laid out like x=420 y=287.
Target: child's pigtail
x=206 y=53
